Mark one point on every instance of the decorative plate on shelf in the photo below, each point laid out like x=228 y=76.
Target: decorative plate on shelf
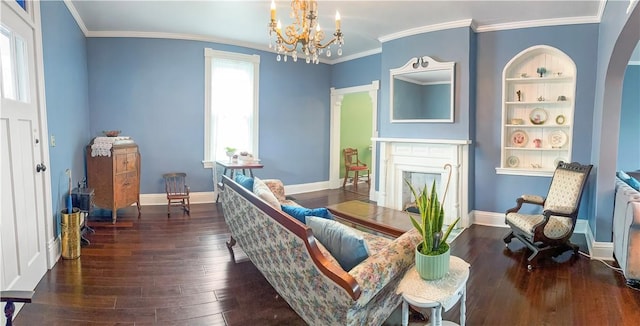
x=557 y=161
x=557 y=138
x=538 y=116
x=513 y=161
x=519 y=138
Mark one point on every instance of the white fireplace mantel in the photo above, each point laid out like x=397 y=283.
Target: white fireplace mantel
x=399 y=155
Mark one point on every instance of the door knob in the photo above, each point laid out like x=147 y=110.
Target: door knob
x=41 y=167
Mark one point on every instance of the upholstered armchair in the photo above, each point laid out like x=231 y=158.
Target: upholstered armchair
x=548 y=233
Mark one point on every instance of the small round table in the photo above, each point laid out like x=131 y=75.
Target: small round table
x=436 y=294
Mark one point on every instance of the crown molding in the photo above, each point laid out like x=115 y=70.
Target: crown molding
x=603 y=3
x=356 y=56
x=632 y=4
x=74 y=13
x=426 y=29
x=538 y=23
x=189 y=37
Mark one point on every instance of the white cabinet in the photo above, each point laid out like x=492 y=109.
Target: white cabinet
x=538 y=104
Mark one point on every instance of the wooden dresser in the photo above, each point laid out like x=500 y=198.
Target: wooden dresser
x=116 y=178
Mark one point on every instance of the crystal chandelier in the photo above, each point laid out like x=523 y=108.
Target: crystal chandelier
x=305 y=31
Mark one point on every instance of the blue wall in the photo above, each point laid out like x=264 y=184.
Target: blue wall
x=629 y=138
x=66 y=82
x=153 y=90
x=497 y=193
x=357 y=72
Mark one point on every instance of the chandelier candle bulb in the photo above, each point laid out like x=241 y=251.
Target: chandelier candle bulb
x=337 y=20
x=273 y=10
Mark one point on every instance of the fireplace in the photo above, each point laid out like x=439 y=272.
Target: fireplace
x=418 y=180
x=421 y=161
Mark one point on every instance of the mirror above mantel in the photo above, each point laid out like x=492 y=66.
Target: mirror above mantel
x=422 y=91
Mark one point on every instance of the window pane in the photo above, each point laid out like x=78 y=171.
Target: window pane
x=21 y=69
x=8 y=84
x=232 y=105
x=15 y=76
x=22 y=4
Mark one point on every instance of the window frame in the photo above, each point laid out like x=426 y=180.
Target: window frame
x=209 y=55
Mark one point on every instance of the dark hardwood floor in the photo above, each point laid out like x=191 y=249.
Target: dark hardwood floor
x=177 y=271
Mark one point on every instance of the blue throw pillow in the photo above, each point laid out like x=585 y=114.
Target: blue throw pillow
x=345 y=245
x=632 y=182
x=244 y=181
x=300 y=213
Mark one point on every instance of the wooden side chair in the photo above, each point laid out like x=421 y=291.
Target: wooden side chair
x=548 y=233
x=353 y=164
x=177 y=191
x=14 y=296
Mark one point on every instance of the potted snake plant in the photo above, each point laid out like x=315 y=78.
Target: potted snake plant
x=432 y=253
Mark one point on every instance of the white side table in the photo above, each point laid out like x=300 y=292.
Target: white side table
x=437 y=294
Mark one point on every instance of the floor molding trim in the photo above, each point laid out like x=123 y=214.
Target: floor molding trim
x=205 y=197
x=487 y=219
x=54 y=252
x=306 y=187
x=597 y=250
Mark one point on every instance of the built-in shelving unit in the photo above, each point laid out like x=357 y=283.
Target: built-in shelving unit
x=538 y=104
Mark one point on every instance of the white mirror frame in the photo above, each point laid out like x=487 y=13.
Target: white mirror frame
x=423 y=64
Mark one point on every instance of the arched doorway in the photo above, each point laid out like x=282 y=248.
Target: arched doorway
x=607 y=108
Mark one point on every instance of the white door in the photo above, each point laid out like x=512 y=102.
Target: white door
x=22 y=224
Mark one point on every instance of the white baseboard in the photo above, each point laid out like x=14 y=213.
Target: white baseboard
x=306 y=187
x=205 y=197
x=487 y=219
x=597 y=250
x=54 y=252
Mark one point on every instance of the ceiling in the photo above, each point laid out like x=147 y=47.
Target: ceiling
x=364 y=23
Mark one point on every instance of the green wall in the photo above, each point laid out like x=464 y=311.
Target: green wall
x=356 y=116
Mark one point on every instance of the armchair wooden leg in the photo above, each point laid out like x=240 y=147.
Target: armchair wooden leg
x=507 y=239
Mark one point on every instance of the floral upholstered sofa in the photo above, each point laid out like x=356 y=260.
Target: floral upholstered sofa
x=304 y=273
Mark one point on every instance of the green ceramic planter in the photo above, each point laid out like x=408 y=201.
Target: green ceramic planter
x=432 y=267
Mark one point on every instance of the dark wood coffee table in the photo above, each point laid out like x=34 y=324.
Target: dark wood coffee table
x=370 y=216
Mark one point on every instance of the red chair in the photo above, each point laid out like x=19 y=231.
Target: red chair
x=353 y=164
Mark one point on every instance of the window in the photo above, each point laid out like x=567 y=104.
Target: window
x=13 y=53
x=231 y=104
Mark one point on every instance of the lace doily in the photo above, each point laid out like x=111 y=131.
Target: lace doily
x=437 y=290
x=102 y=145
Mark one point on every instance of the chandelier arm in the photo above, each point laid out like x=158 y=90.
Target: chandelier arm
x=320 y=46
x=289 y=41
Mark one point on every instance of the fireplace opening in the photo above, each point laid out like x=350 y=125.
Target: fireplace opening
x=418 y=180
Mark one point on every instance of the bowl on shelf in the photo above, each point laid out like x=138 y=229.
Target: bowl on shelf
x=111 y=133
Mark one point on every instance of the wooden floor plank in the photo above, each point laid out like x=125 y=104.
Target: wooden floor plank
x=155 y=270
